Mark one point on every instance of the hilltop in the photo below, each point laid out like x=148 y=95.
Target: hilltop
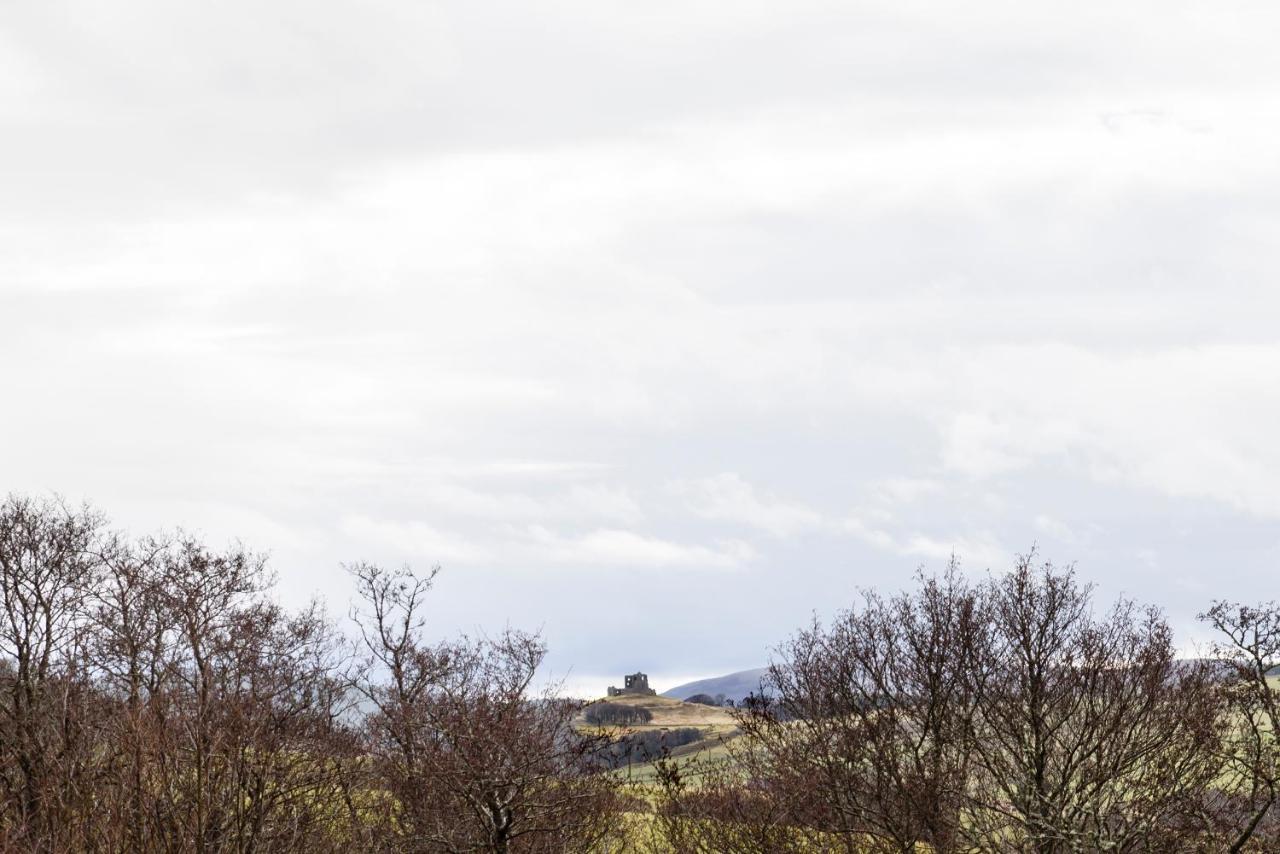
x=668 y=712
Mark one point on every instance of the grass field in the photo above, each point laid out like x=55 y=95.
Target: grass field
x=716 y=724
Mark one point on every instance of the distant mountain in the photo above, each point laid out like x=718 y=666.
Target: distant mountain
x=735 y=686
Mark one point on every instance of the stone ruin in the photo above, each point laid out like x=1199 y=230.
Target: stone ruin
x=633 y=684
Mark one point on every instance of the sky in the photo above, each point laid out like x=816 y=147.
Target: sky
x=661 y=327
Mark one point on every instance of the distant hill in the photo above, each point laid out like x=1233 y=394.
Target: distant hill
x=735 y=686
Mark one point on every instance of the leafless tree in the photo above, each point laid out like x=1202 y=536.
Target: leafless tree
x=154 y=698
x=1248 y=648
x=132 y=656
x=250 y=728
x=704 y=806
x=475 y=759
x=1002 y=716
x=227 y=719
x=47 y=568
x=1090 y=735
x=867 y=721
x=604 y=713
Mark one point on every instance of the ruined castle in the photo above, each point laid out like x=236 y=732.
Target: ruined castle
x=632 y=683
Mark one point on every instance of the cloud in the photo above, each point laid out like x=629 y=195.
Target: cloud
x=911 y=277
x=610 y=547
x=575 y=502
x=981 y=551
x=727 y=497
x=1055 y=528
x=871 y=534
x=413 y=539
x=975 y=552
x=1177 y=421
x=907 y=490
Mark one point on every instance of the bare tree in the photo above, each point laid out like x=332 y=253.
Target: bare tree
x=704 y=806
x=1003 y=716
x=133 y=656
x=475 y=759
x=1248 y=647
x=283 y=737
x=1091 y=736
x=866 y=723
x=154 y=698
x=604 y=713
x=47 y=569
x=224 y=722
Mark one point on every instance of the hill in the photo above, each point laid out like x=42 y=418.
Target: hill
x=709 y=726
x=668 y=713
x=735 y=686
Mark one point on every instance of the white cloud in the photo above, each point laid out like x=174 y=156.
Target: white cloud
x=610 y=547
x=727 y=497
x=576 y=502
x=1055 y=528
x=413 y=539
x=983 y=551
x=907 y=490
x=978 y=552
x=871 y=534
x=1178 y=421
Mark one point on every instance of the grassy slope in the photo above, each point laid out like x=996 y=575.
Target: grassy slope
x=716 y=724
x=668 y=713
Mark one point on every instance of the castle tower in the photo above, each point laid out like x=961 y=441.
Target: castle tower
x=633 y=684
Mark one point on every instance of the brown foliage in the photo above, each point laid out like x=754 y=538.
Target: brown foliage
x=1248 y=649
x=474 y=759
x=154 y=699
x=961 y=717
x=1090 y=734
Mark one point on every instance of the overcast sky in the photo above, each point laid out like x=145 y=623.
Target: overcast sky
x=659 y=326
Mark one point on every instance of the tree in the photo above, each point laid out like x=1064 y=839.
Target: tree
x=865 y=723
x=154 y=698
x=1001 y=716
x=710 y=808
x=1248 y=648
x=616 y=714
x=132 y=657
x=1090 y=735
x=225 y=716
x=47 y=569
x=474 y=758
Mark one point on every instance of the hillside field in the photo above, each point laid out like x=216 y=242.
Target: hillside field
x=717 y=726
